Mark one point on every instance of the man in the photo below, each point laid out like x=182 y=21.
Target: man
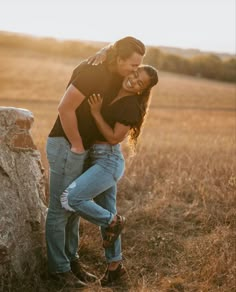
x=67 y=145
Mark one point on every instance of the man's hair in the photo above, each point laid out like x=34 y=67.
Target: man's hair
x=124 y=48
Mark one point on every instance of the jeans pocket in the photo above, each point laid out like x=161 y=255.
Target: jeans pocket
x=75 y=163
x=53 y=149
x=57 y=148
x=119 y=170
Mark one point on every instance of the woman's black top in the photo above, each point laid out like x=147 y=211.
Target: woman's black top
x=90 y=79
x=125 y=111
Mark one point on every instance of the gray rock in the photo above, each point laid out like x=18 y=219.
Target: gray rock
x=22 y=198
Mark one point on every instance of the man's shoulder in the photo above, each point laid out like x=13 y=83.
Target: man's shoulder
x=89 y=79
x=84 y=67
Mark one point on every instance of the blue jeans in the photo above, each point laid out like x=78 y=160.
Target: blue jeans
x=62 y=235
x=93 y=194
x=61 y=226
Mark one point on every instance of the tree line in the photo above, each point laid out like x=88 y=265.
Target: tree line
x=205 y=65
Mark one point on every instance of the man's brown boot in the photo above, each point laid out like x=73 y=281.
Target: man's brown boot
x=68 y=279
x=79 y=271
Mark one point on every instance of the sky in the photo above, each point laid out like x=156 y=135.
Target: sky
x=208 y=25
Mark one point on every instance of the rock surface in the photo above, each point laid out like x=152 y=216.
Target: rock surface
x=22 y=198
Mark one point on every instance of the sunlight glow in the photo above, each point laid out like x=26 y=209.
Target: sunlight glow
x=204 y=24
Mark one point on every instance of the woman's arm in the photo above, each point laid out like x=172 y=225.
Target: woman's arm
x=113 y=136
x=67 y=107
x=99 y=57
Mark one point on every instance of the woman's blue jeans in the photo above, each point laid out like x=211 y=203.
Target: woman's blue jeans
x=98 y=182
x=93 y=194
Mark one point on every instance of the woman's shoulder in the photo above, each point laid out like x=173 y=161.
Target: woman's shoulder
x=128 y=110
x=130 y=101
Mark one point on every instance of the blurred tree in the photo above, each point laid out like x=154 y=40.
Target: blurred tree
x=209 y=66
x=154 y=57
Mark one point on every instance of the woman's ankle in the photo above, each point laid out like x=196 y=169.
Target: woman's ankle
x=113 y=265
x=113 y=222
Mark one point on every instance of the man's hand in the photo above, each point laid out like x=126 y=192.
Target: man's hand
x=98 y=58
x=95 y=103
x=77 y=149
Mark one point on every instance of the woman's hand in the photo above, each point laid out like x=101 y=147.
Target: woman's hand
x=95 y=103
x=98 y=58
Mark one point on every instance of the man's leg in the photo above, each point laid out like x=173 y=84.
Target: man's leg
x=58 y=261
x=73 y=169
x=72 y=237
x=62 y=172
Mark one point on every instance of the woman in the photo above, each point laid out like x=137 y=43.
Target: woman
x=93 y=194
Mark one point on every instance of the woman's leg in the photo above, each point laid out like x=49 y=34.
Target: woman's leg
x=107 y=200
x=107 y=167
x=115 y=270
x=84 y=189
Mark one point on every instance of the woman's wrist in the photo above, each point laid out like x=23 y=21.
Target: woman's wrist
x=95 y=113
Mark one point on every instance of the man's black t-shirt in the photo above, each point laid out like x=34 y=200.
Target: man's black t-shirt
x=98 y=79
x=90 y=79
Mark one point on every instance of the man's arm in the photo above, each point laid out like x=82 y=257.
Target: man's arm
x=67 y=107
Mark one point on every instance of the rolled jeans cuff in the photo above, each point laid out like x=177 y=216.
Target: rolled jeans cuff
x=114 y=259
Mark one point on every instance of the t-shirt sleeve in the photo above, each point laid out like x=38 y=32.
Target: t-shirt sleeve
x=88 y=79
x=129 y=114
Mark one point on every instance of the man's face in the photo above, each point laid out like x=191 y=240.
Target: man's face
x=127 y=66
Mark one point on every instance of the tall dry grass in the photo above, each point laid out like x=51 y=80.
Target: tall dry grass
x=178 y=192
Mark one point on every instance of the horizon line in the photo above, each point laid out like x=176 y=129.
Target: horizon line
x=39 y=35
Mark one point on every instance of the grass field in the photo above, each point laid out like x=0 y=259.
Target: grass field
x=178 y=192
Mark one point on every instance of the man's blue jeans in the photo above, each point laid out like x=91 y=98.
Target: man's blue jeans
x=61 y=226
x=98 y=182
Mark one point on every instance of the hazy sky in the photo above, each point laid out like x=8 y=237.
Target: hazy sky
x=208 y=25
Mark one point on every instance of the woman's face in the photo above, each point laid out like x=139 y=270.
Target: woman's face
x=127 y=66
x=136 y=82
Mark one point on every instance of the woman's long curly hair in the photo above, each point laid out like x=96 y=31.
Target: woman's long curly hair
x=144 y=100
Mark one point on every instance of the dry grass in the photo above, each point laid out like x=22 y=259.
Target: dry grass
x=178 y=192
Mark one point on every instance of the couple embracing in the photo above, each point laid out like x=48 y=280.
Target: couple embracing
x=106 y=100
